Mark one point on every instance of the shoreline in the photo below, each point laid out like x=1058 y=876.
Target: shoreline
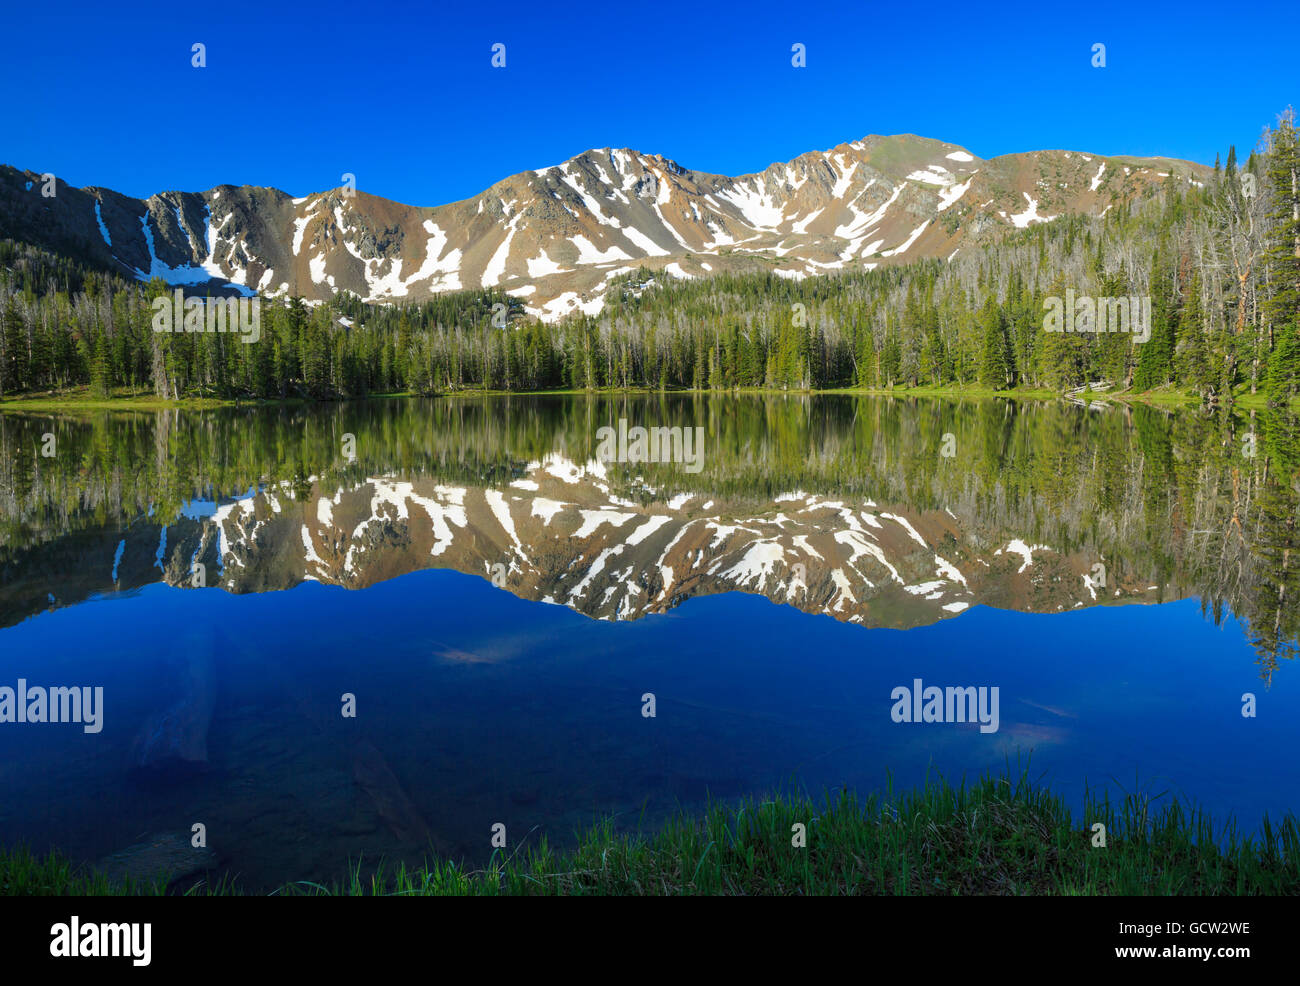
x=79 y=399
x=998 y=835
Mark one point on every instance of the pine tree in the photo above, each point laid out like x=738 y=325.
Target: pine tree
x=995 y=355
x=1190 y=352
x=101 y=371
x=1283 y=381
x=1155 y=361
x=1283 y=171
x=13 y=350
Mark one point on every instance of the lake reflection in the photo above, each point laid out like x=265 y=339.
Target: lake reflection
x=1122 y=576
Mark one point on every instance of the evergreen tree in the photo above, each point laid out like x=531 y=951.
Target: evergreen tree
x=101 y=371
x=1283 y=381
x=1283 y=170
x=1155 y=360
x=995 y=355
x=13 y=349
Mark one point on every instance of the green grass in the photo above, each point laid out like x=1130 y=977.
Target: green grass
x=995 y=836
x=123 y=399
x=1242 y=398
x=948 y=390
x=23 y=874
x=82 y=399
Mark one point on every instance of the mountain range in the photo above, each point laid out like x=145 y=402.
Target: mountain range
x=558 y=236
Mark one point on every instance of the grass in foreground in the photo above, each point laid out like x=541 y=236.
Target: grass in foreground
x=25 y=875
x=995 y=836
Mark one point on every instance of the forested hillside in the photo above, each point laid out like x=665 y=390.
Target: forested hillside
x=1220 y=265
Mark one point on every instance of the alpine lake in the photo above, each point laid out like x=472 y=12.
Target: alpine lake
x=326 y=635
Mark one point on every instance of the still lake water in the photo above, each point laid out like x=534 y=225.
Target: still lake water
x=498 y=602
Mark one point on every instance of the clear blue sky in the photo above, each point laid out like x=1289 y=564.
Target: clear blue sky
x=403 y=94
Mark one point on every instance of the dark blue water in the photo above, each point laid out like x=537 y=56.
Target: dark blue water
x=491 y=709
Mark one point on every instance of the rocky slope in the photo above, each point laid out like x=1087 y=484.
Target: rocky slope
x=555 y=237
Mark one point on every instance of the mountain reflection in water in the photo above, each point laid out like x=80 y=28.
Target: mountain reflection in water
x=1016 y=561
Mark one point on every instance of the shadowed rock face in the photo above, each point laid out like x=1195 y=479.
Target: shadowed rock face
x=559 y=534
x=558 y=235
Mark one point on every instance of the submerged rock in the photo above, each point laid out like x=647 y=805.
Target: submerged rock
x=164 y=857
x=174 y=742
x=395 y=807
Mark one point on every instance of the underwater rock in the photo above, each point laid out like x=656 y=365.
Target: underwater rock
x=395 y=807
x=174 y=742
x=164 y=856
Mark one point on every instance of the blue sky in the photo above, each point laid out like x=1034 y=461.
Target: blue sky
x=403 y=94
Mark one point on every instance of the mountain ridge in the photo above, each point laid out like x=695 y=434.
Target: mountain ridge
x=555 y=237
